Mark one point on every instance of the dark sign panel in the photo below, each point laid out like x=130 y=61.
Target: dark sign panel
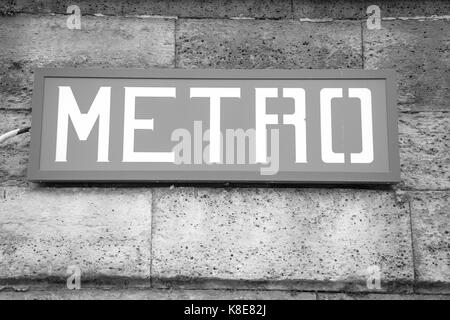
x=220 y=126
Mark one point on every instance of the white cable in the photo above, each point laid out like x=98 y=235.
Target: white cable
x=13 y=133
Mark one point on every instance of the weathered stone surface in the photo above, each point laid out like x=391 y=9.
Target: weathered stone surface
x=374 y=296
x=268 y=44
x=154 y=294
x=105 y=232
x=5 y=7
x=14 y=152
x=33 y=6
x=103 y=42
x=357 y=9
x=418 y=51
x=424 y=150
x=304 y=236
x=430 y=213
x=185 y=8
x=280 y=9
x=341 y=9
x=411 y=8
x=179 y=294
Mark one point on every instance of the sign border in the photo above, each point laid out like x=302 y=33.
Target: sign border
x=36 y=175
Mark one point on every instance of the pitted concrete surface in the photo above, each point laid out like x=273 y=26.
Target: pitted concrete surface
x=424 y=148
x=111 y=293
x=411 y=8
x=285 y=234
x=279 y=9
x=151 y=294
x=31 y=41
x=261 y=9
x=278 y=238
x=431 y=229
x=418 y=51
x=248 y=44
x=371 y=296
x=104 y=232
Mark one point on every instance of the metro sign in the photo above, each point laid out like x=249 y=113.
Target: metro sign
x=295 y=126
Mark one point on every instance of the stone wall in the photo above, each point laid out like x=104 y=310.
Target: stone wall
x=302 y=238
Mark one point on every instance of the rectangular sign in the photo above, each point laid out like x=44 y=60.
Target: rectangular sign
x=281 y=126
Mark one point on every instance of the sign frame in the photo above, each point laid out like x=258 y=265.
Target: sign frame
x=35 y=174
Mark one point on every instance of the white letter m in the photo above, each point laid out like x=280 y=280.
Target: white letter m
x=83 y=123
